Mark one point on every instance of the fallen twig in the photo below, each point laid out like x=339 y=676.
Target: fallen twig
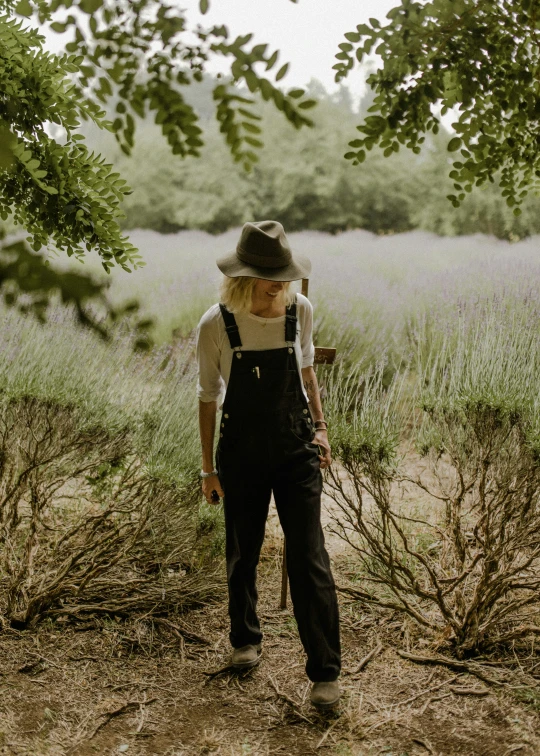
x=182 y=630
x=432 y=700
x=380 y=723
x=125 y=709
x=461 y=691
x=41 y=658
x=215 y=673
x=458 y=666
x=284 y=697
x=423 y=743
x=426 y=691
x=145 y=685
x=369 y=657
x=328 y=731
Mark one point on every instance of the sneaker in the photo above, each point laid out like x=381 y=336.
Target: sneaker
x=246 y=656
x=325 y=695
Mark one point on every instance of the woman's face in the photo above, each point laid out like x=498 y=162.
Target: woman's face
x=267 y=290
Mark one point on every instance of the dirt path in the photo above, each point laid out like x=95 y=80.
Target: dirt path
x=109 y=687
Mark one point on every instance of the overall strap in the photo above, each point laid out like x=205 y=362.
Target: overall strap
x=230 y=326
x=290 y=322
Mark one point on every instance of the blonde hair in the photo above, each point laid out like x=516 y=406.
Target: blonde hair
x=236 y=293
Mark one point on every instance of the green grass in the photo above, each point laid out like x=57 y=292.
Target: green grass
x=108 y=385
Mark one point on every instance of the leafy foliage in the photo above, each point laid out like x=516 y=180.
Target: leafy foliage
x=139 y=57
x=478 y=57
x=55 y=191
x=135 y=54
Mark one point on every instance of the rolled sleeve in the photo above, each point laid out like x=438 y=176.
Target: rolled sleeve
x=210 y=384
x=306 y=335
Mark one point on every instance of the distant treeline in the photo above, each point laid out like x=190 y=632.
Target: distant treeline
x=303 y=180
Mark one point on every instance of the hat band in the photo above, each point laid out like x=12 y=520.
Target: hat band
x=262 y=261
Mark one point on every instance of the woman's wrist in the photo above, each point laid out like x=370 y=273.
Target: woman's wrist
x=208 y=474
x=320 y=424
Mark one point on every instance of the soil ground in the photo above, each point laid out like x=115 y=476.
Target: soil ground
x=111 y=687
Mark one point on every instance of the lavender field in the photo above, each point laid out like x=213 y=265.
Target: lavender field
x=379 y=300
x=366 y=289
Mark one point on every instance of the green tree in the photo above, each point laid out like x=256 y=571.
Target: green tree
x=479 y=57
x=300 y=179
x=136 y=57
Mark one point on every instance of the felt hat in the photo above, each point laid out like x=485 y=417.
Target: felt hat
x=263 y=251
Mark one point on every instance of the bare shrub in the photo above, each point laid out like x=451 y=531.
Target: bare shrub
x=465 y=563
x=84 y=528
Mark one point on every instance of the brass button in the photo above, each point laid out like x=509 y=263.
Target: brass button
x=222 y=425
x=221 y=435
x=305 y=411
x=226 y=417
x=239 y=355
x=290 y=350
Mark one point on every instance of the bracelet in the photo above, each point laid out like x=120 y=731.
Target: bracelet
x=319 y=427
x=208 y=475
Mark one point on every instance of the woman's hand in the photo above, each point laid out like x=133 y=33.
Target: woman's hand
x=209 y=485
x=321 y=438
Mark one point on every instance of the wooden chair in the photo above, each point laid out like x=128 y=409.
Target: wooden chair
x=323 y=356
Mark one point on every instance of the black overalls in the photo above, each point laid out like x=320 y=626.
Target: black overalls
x=264 y=446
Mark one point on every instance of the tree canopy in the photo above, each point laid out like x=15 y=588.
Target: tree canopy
x=134 y=59
x=480 y=58
x=302 y=179
x=55 y=189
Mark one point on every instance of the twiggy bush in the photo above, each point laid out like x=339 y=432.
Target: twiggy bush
x=465 y=563
x=84 y=528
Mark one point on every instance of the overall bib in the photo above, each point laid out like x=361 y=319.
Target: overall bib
x=265 y=446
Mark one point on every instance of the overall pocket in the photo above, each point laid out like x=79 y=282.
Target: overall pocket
x=302 y=428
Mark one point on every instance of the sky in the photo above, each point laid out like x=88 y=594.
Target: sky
x=307 y=33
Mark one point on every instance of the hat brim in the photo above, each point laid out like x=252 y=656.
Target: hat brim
x=232 y=267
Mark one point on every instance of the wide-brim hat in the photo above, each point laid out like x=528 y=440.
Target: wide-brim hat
x=264 y=252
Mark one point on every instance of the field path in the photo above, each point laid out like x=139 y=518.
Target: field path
x=112 y=687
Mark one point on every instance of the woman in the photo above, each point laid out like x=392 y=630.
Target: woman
x=258 y=344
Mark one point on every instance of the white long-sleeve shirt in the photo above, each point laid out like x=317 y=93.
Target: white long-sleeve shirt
x=214 y=353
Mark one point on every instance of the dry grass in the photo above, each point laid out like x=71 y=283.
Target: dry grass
x=84 y=529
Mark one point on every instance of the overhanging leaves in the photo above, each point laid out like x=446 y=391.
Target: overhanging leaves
x=141 y=55
x=54 y=188
x=137 y=57
x=481 y=56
